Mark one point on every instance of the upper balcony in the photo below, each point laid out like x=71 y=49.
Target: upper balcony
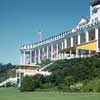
x=59 y=36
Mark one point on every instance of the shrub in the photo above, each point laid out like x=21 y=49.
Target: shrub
x=8 y=84
x=92 y=86
x=68 y=80
x=47 y=86
x=27 y=84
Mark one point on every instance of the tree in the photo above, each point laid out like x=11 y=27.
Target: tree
x=27 y=84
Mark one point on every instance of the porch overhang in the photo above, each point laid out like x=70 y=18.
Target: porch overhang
x=91 y=46
x=29 y=65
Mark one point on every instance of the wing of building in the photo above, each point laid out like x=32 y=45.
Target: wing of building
x=81 y=41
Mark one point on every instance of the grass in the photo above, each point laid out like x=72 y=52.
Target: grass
x=14 y=94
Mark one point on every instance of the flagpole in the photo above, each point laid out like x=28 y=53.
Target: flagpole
x=40 y=32
x=40 y=36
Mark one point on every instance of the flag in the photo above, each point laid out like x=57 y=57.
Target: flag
x=54 y=53
x=35 y=57
x=44 y=55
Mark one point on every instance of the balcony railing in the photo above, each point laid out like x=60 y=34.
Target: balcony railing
x=58 y=37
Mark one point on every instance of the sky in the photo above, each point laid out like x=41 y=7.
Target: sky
x=20 y=21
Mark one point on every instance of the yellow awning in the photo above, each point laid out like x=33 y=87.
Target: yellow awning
x=28 y=65
x=84 y=46
x=24 y=70
x=87 y=46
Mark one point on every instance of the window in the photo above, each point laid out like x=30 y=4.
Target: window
x=96 y=19
x=92 y=20
x=94 y=11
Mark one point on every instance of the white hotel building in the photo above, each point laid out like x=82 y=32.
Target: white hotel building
x=81 y=41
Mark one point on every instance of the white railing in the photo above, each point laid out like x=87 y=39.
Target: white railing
x=71 y=57
x=41 y=69
x=11 y=80
x=29 y=46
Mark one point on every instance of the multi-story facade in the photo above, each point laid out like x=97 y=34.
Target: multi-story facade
x=81 y=41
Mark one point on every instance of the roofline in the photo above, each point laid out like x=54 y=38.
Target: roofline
x=28 y=65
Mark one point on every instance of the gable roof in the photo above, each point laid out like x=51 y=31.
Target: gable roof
x=82 y=21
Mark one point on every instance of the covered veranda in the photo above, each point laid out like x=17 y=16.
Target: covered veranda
x=82 y=50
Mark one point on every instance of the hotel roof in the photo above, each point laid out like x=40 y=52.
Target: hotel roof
x=28 y=65
x=95 y=2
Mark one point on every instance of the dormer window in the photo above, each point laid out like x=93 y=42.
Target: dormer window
x=96 y=19
x=94 y=11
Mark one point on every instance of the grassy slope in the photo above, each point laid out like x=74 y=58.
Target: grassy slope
x=13 y=94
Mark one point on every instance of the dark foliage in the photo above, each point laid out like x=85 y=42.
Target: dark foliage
x=67 y=73
x=6 y=71
x=27 y=84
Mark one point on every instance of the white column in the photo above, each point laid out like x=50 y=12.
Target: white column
x=19 y=84
x=89 y=52
x=51 y=51
x=71 y=41
x=78 y=39
x=47 y=52
x=65 y=43
x=42 y=49
x=39 y=61
x=70 y=53
x=57 y=50
x=42 y=53
x=21 y=58
x=62 y=48
x=65 y=46
x=87 y=36
x=77 y=52
x=96 y=38
x=30 y=56
x=24 y=58
x=35 y=57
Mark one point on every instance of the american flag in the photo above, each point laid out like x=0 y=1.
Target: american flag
x=43 y=55
x=35 y=56
x=54 y=53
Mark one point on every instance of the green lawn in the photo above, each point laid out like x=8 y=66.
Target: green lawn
x=14 y=94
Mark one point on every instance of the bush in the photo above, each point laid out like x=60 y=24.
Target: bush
x=39 y=80
x=67 y=76
x=8 y=84
x=47 y=86
x=92 y=86
x=61 y=87
x=68 y=80
x=27 y=84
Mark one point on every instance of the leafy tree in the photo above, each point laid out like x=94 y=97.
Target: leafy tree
x=92 y=86
x=27 y=84
x=69 y=72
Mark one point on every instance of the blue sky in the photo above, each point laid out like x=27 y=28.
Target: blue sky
x=20 y=20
